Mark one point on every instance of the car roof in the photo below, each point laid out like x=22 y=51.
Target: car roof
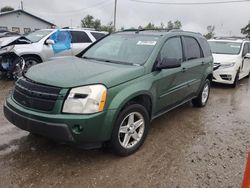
x=230 y=39
x=75 y=29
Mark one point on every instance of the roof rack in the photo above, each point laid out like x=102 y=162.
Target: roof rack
x=91 y=29
x=231 y=38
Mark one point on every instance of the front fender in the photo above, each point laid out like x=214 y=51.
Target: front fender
x=120 y=95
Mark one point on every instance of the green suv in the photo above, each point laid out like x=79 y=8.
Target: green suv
x=111 y=92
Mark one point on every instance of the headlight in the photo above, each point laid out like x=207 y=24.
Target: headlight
x=228 y=65
x=6 y=49
x=86 y=100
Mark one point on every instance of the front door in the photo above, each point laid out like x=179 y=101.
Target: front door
x=245 y=61
x=171 y=85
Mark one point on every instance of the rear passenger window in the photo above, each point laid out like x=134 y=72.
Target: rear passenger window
x=80 y=37
x=97 y=36
x=205 y=47
x=192 y=48
x=172 y=49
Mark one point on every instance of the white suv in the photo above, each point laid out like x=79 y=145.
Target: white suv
x=38 y=46
x=231 y=59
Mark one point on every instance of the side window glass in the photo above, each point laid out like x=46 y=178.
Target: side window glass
x=192 y=48
x=172 y=49
x=80 y=37
x=245 y=49
x=98 y=36
x=248 y=47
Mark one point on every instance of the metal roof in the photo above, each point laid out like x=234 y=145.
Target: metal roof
x=22 y=11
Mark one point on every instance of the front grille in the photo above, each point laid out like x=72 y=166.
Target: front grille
x=226 y=77
x=34 y=95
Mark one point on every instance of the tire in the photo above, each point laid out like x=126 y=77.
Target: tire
x=203 y=96
x=123 y=131
x=248 y=76
x=236 y=80
x=30 y=61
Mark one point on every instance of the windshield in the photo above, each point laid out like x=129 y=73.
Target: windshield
x=219 y=47
x=37 y=35
x=123 y=48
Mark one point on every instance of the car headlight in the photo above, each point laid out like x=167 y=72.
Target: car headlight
x=227 y=65
x=6 y=49
x=86 y=100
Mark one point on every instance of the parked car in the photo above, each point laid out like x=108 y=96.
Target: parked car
x=39 y=46
x=231 y=59
x=113 y=90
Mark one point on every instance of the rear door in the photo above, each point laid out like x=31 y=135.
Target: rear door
x=170 y=84
x=193 y=66
x=80 y=41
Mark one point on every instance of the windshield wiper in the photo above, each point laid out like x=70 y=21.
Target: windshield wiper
x=108 y=61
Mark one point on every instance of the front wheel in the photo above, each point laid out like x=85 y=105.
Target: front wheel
x=236 y=80
x=130 y=130
x=203 y=96
x=30 y=61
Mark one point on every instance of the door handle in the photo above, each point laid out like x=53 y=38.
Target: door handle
x=202 y=63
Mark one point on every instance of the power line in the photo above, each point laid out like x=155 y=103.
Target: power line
x=97 y=5
x=190 y=3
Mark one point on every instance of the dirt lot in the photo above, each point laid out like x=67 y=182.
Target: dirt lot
x=188 y=147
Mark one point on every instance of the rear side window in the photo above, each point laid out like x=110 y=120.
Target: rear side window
x=80 y=37
x=97 y=36
x=192 y=48
x=205 y=47
x=172 y=49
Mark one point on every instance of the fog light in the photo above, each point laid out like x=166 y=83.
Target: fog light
x=77 y=129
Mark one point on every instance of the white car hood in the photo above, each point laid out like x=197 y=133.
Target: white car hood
x=225 y=58
x=5 y=41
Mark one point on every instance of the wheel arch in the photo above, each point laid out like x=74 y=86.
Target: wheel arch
x=32 y=55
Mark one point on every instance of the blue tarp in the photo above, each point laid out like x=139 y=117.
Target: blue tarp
x=62 y=41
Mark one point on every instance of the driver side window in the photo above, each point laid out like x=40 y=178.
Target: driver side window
x=172 y=50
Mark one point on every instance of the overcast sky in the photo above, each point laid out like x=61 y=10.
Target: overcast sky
x=227 y=18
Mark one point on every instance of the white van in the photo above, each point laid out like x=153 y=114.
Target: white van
x=231 y=59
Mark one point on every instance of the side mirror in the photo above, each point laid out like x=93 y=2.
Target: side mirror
x=168 y=63
x=247 y=56
x=50 y=42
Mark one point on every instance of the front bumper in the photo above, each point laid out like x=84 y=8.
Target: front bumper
x=225 y=76
x=96 y=128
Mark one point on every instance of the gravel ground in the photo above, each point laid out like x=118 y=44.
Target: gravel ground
x=188 y=147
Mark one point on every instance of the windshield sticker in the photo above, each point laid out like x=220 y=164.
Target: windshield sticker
x=148 y=43
x=232 y=46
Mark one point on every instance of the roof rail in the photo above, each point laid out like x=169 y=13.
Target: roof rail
x=92 y=29
x=231 y=38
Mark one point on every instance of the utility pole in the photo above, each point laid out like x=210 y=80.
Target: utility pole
x=21 y=5
x=115 y=15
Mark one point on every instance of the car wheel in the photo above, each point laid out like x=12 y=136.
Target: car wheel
x=30 y=61
x=236 y=80
x=248 y=75
x=203 y=96
x=130 y=130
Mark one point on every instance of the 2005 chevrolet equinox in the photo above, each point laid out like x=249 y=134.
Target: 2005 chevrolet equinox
x=113 y=89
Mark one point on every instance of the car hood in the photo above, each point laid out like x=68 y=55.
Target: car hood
x=7 y=41
x=72 y=72
x=224 y=58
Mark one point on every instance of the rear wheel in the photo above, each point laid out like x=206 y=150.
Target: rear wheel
x=203 y=96
x=130 y=130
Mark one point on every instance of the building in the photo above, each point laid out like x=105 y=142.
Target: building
x=22 y=22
